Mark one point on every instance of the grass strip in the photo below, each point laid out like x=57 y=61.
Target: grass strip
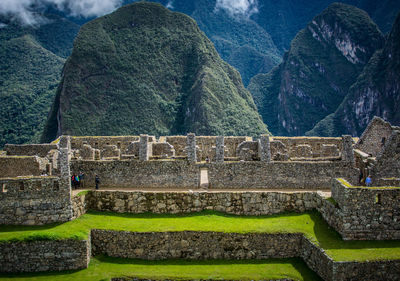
x=104 y=268
x=309 y=223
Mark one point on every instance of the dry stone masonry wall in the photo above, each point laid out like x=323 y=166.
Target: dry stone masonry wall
x=194 y=245
x=366 y=213
x=36 y=256
x=33 y=201
x=240 y=203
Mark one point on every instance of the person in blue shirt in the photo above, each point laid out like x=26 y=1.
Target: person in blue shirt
x=368 y=181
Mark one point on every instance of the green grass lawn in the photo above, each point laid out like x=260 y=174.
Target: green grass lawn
x=103 y=268
x=310 y=223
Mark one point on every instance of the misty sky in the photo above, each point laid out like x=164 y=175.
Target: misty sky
x=23 y=9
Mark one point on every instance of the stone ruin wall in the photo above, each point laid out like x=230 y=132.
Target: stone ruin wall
x=41 y=150
x=387 y=165
x=374 y=137
x=139 y=174
x=238 y=203
x=243 y=175
x=34 y=201
x=13 y=166
x=283 y=175
x=365 y=213
x=310 y=147
x=37 y=256
x=235 y=148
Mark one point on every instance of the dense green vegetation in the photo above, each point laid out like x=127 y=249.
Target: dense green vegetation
x=29 y=75
x=316 y=73
x=104 y=268
x=375 y=92
x=145 y=69
x=311 y=224
x=31 y=62
x=239 y=40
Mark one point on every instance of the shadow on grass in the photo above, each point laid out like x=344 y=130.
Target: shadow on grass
x=107 y=259
x=297 y=263
x=17 y=228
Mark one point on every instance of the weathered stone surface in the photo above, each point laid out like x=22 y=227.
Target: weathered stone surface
x=41 y=150
x=34 y=201
x=285 y=175
x=13 y=166
x=155 y=174
x=110 y=151
x=38 y=256
x=191 y=148
x=364 y=213
x=374 y=137
x=241 y=203
x=194 y=245
x=347 y=149
x=265 y=151
x=144 y=149
x=248 y=151
x=219 y=149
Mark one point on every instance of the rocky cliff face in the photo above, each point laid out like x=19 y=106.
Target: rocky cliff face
x=324 y=60
x=145 y=69
x=376 y=92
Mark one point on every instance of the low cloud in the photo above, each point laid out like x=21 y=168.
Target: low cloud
x=170 y=5
x=26 y=10
x=238 y=7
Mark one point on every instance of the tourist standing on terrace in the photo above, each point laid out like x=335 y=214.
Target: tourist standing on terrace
x=97 y=181
x=368 y=181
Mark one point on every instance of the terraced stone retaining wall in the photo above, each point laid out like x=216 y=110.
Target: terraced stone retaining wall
x=194 y=245
x=197 y=245
x=38 y=256
x=240 y=203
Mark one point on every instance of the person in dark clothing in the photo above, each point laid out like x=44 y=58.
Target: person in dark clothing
x=81 y=179
x=97 y=181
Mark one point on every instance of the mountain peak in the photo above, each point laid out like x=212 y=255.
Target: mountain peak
x=146 y=69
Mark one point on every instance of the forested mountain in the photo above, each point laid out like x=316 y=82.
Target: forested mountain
x=375 y=93
x=284 y=19
x=30 y=70
x=253 y=36
x=145 y=69
x=324 y=60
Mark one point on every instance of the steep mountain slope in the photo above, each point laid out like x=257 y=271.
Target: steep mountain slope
x=30 y=70
x=283 y=19
x=55 y=33
x=29 y=75
x=376 y=92
x=324 y=60
x=145 y=69
x=239 y=40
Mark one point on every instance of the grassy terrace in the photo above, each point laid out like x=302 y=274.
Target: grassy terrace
x=103 y=268
x=310 y=223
